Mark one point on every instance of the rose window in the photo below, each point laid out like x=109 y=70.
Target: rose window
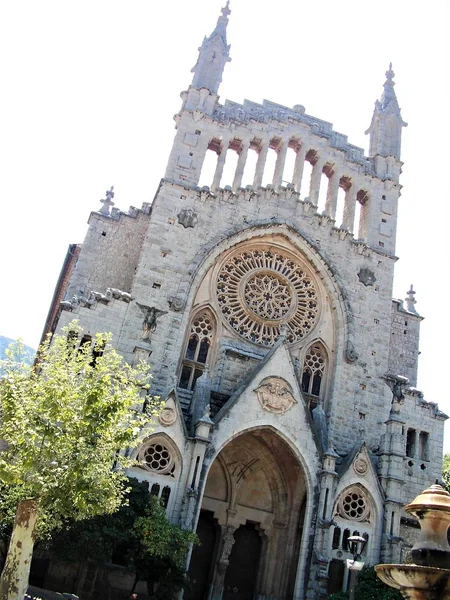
x=158 y=458
x=268 y=296
x=353 y=506
x=260 y=290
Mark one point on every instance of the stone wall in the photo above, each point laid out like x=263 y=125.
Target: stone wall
x=110 y=252
x=404 y=344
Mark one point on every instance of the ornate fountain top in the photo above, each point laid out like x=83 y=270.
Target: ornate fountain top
x=433 y=498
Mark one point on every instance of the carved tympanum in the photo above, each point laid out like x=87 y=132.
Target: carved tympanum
x=275 y=395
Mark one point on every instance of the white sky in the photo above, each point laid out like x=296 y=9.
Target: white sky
x=89 y=88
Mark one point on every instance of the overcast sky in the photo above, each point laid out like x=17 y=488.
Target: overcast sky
x=89 y=89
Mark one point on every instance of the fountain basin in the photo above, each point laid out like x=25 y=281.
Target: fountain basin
x=417 y=582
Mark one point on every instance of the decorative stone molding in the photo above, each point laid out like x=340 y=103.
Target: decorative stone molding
x=167 y=416
x=360 y=466
x=275 y=395
x=176 y=303
x=187 y=217
x=93 y=297
x=366 y=276
x=351 y=355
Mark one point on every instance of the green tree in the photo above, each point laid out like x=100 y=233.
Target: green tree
x=158 y=552
x=61 y=425
x=369 y=587
x=446 y=472
x=139 y=536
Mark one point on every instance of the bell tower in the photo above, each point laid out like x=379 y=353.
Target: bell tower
x=198 y=105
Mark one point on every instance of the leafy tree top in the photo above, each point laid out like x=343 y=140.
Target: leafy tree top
x=446 y=472
x=63 y=422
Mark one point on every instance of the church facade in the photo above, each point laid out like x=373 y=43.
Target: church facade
x=291 y=420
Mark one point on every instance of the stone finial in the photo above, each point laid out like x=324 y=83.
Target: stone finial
x=410 y=300
x=107 y=201
x=385 y=128
x=388 y=93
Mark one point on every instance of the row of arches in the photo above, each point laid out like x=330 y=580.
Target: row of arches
x=280 y=162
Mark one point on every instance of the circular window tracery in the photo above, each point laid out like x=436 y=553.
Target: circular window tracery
x=158 y=459
x=259 y=290
x=354 y=506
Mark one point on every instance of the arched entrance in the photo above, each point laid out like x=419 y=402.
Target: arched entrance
x=254 y=503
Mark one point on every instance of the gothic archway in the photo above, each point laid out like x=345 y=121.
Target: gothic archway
x=255 y=491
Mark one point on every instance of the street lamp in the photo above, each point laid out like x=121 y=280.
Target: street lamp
x=356 y=544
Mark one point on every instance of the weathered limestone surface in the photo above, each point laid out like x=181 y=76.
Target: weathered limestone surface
x=290 y=432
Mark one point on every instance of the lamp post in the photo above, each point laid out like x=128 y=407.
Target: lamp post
x=356 y=544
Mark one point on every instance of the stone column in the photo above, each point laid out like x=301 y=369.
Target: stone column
x=349 y=208
x=298 y=168
x=259 y=171
x=279 y=165
x=226 y=542
x=332 y=195
x=314 y=186
x=220 y=164
x=237 y=181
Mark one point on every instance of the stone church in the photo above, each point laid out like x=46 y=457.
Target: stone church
x=258 y=285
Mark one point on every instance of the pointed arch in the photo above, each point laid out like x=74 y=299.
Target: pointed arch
x=314 y=370
x=197 y=347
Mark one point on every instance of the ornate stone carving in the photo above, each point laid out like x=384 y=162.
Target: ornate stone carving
x=176 y=303
x=187 y=217
x=228 y=542
x=260 y=290
x=275 y=395
x=151 y=314
x=350 y=353
x=167 y=416
x=366 y=276
x=107 y=202
x=360 y=466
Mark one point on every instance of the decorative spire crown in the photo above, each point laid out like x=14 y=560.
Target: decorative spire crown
x=222 y=22
x=388 y=93
x=214 y=53
x=107 y=202
x=387 y=122
x=410 y=300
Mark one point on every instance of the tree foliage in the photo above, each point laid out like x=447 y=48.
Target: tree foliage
x=62 y=424
x=369 y=587
x=139 y=536
x=446 y=472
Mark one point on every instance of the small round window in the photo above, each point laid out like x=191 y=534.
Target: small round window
x=353 y=506
x=159 y=459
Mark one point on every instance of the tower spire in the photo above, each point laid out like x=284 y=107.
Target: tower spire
x=385 y=128
x=214 y=53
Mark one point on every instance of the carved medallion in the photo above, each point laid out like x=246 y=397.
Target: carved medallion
x=360 y=466
x=366 y=276
x=167 y=416
x=275 y=395
x=187 y=217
